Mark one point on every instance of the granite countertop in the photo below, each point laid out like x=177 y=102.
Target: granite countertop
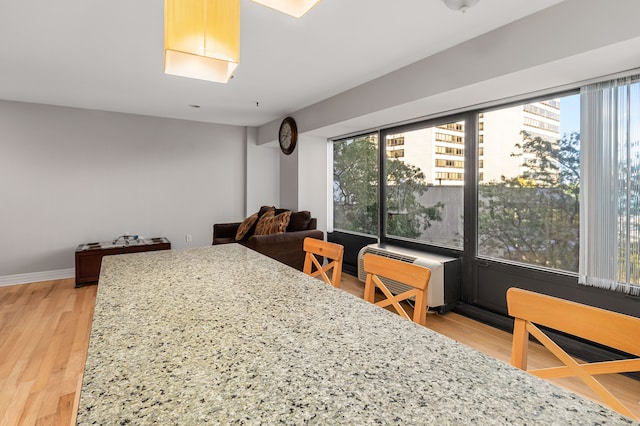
x=225 y=335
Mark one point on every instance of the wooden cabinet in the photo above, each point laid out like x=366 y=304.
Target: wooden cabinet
x=89 y=256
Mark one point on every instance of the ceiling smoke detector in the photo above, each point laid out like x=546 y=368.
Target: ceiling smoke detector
x=461 y=5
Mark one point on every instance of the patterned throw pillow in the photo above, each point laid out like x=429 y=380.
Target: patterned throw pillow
x=264 y=217
x=245 y=226
x=269 y=223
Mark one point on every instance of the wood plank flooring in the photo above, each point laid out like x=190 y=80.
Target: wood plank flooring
x=44 y=334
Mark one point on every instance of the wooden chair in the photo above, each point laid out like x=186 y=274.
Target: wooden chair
x=334 y=252
x=618 y=331
x=407 y=273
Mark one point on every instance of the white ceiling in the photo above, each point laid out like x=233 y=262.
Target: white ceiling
x=108 y=55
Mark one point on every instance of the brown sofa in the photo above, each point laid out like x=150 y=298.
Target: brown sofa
x=286 y=247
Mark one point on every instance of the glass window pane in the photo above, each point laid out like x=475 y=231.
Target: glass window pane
x=529 y=183
x=355 y=184
x=425 y=184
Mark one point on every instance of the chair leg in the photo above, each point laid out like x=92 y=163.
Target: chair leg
x=336 y=275
x=420 y=309
x=369 y=289
x=307 y=264
x=520 y=344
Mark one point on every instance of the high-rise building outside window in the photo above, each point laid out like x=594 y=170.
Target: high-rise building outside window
x=425 y=186
x=529 y=184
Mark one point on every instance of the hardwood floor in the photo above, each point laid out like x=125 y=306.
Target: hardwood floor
x=44 y=333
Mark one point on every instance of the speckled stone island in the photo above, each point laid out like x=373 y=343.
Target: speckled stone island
x=224 y=335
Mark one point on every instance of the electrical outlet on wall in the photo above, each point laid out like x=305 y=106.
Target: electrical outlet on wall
x=188 y=238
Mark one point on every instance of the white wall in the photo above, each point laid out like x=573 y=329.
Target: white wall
x=289 y=172
x=69 y=176
x=303 y=178
x=313 y=190
x=263 y=173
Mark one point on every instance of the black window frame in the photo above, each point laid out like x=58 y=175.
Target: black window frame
x=382 y=187
x=545 y=280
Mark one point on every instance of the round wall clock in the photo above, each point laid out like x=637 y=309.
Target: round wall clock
x=288 y=135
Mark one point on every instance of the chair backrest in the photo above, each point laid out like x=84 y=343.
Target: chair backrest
x=313 y=266
x=612 y=329
x=412 y=275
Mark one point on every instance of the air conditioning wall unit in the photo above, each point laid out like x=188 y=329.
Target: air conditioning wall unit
x=444 y=289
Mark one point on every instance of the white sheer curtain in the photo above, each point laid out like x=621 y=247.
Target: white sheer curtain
x=610 y=186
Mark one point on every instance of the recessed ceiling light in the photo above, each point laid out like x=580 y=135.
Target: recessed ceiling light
x=194 y=106
x=295 y=8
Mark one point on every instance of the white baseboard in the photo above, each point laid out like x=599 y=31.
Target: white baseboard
x=35 y=277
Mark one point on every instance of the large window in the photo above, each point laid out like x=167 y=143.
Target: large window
x=355 y=184
x=529 y=183
x=545 y=192
x=425 y=184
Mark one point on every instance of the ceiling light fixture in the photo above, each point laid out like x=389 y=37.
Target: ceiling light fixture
x=295 y=8
x=461 y=5
x=202 y=38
